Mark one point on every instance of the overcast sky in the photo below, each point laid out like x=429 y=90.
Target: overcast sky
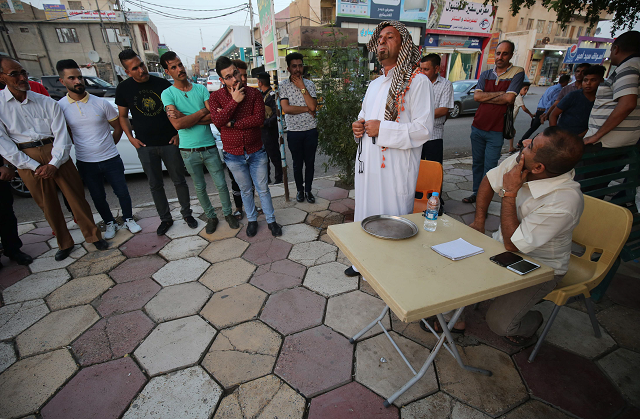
x=183 y=36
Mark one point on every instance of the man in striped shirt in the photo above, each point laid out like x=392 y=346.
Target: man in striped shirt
x=615 y=117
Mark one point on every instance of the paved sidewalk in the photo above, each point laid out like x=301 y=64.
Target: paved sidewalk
x=191 y=325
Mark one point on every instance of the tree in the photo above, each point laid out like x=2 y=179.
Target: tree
x=626 y=12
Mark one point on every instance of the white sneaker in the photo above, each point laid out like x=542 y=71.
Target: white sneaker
x=132 y=225
x=110 y=231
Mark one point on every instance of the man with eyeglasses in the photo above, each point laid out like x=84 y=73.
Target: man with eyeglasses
x=238 y=112
x=34 y=138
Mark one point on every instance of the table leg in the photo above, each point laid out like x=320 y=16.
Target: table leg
x=373 y=323
x=452 y=345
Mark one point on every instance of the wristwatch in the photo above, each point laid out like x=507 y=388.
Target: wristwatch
x=503 y=193
x=303 y=91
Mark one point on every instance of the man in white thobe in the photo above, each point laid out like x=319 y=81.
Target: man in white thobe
x=388 y=158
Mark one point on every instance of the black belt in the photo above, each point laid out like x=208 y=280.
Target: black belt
x=198 y=149
x=32 y=144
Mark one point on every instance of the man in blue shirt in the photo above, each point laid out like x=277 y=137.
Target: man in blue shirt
x=545 y=102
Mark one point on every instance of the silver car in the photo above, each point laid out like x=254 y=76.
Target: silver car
x=463 y=102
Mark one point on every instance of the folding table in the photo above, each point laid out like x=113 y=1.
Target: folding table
x=415 y=282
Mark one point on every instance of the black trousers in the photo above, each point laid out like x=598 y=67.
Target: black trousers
x=272 y=148
x=535 y=124
x=433 y=151
x=8 y=222
x=303 y=145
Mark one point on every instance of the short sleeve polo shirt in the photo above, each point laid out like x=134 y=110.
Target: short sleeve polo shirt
x=490 y=117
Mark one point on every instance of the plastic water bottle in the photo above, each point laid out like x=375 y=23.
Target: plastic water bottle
x=431 y=214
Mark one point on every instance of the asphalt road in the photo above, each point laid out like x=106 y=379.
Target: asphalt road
x=456 y=144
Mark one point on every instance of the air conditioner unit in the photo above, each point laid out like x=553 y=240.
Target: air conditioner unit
x=125 y=41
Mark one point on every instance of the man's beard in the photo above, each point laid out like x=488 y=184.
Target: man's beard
x=78 y=89
x=383 y=55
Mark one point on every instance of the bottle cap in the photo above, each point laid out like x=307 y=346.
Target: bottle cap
x=435 y=194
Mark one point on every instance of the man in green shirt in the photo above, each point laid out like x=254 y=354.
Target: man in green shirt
x=187 y=106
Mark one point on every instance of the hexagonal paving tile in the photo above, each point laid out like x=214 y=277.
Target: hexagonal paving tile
x=534 y=409
x=350 y=313
x=30 y=238
x=112 y=337
x=625 y=289
x=15 y=318
x=181 y=229
x=299 y=233
x=493 y=395
x=315 y=361
x=287 y=216
x=329 y=279
x=440 y=405
x=572 y=330
x=76 y=235
x=279 y=275
x=623 y=366
x=35 y=286
x=227 y=274
x=137 y=268
x=7 y=356
x=233 y=306
x=622 y=323
x=333 y=194
x=185 y=394
x=96 y=263
x=183 y=248
x=28 y=383
x=351 y=401
x=381 y=369
x=144 y=244
x=103 y=390
x=48 y=263
x=323 y=183
x=413 y=331
x=122 y=236
x=223 y=231
x=313 y=253
x=177 y=301
x=127 y=297
x=569 y=382
x=323 y=219
x=174 y=345
x=181 y=271
x=242 y=353
x=56 y=329
x=79 y=291
x=320 y=205
x=12 y=274
x=266 y=397
x=224 y=250
x=293 y=310
x=267 y=251
x=343 y=206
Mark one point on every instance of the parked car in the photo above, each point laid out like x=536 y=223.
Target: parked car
x=463 y=102
x=202 y=81
x=213 y=82
x=127 y=152
x=94 y=85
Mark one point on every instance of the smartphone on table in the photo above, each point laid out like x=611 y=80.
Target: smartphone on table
x=505 y=259
x=523 y=267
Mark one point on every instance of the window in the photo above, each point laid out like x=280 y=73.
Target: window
x=521 y=22
x=573 y=30
x=530 y=24
x=558 y=30
x=540 y=26
x=565 y=30
x=549 y=28
x=24 y=30
x=111 y=35
x=498 y=25
x=579 y=31
x=67 y=35
x=75 y=5
x=326 y=14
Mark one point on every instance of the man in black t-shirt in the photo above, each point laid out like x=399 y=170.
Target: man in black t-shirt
x=156 y=140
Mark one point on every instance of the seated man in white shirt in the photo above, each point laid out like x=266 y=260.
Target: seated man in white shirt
x=89 y=118
x=541 y=205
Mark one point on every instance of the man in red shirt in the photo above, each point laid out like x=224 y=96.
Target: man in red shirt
x=238 y=112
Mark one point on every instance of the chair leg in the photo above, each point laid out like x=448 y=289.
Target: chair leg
x=546 y=329
x=592 y=315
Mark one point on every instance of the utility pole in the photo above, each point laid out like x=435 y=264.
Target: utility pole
x=104 y=34
x=253 y=41
x=126 y=22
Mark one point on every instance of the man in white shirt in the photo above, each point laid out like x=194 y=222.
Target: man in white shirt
x=97 y=158
x=541 y=205
x=34 y=138
x=395 y=121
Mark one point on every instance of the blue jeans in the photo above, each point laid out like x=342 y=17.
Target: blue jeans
x=250 y=170
x=94 y=174
x=196 y=161
x=485 y=150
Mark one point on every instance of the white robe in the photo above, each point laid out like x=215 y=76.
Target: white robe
x=391 y=190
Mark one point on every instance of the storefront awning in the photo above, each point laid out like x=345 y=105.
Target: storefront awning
x=439 y=50
x=554 y=48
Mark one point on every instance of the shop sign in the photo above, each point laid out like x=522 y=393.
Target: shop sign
x=11 y=6
x=435 y=40
x=402 y=10
x=462 y=16
x=267 y=31
x=223 y=46
x=55 y=11
x=94 y=16
x=577 y=55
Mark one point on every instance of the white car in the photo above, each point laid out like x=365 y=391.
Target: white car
x=213 y=82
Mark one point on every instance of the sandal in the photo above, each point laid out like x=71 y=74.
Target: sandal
x=469 y=200
x=436 y=326
x=520 y=341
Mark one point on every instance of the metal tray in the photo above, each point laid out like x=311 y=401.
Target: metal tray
x=389 y=227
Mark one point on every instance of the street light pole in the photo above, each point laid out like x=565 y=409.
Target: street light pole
x=253 y=41
x=106 y=36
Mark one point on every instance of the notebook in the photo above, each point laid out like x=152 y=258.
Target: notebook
x=457 y=249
